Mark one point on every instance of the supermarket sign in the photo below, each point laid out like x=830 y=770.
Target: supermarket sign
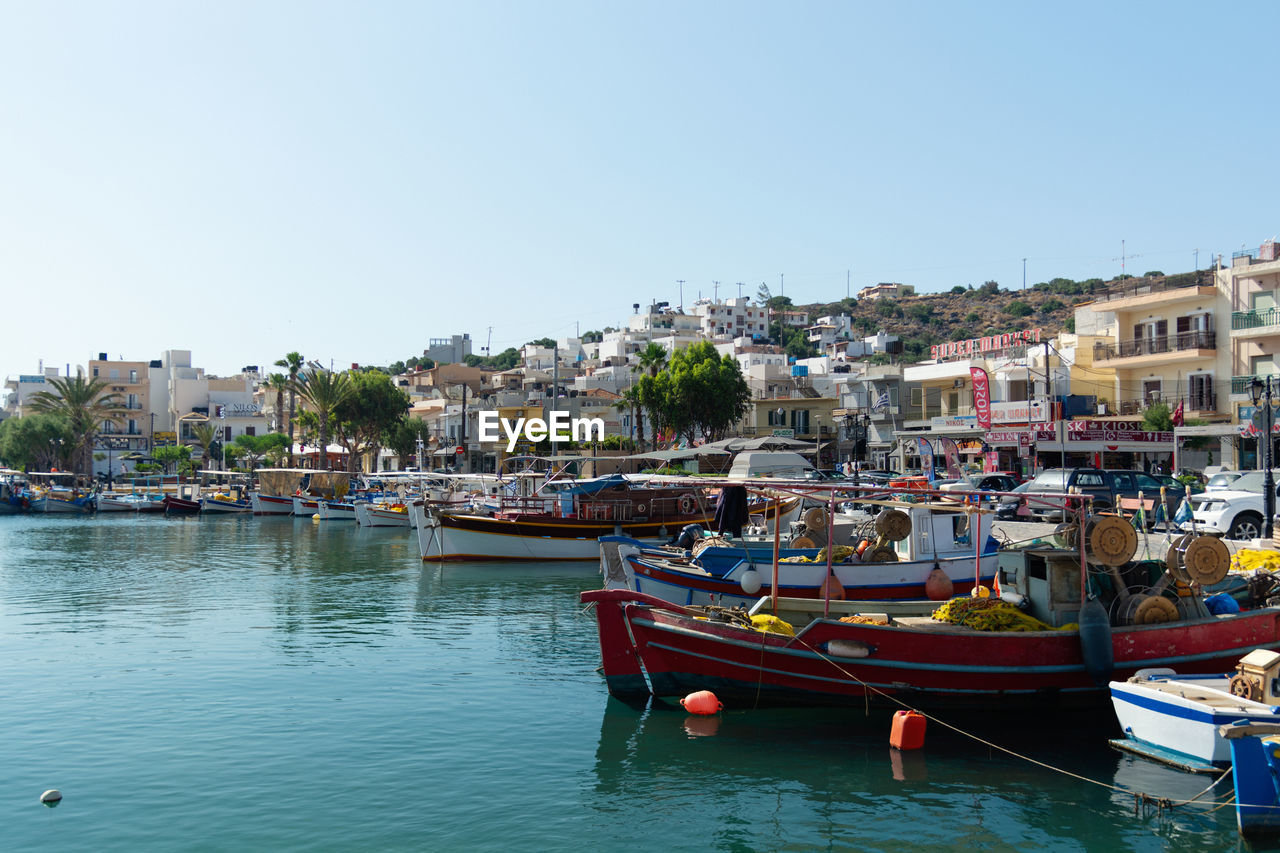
x=982 y=346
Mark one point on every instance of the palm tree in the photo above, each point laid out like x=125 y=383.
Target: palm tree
x=653 y=358
x=279 y=383
x=81 y=403
x=631 y=402
x=205 y=434
x=323 y=391
x=293 y=362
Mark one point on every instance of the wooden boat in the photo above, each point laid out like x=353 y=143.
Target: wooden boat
x=222 y=502
x=12 y=487
x=115 y=502
x=185 y=502
x=389 y=513
x=567 y=521
x=736 y=572
x=336 y=510
x=884 y=652
x=1256 y=775
x=276 y=488
x=1174 y=718
x=51 y=492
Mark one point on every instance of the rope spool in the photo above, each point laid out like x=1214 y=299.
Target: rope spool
x=1173 y=557
x=893 y=524
x=1064 y=536
x=1112 y=540
x=1155 y=610
x=1206 y=560
x=803 y=542
x=815 y=518
x=880 y=554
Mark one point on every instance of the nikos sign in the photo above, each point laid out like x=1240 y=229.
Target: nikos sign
x=982 y=346
x=560 y=427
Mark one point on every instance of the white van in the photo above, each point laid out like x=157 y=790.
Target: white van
x=768 y=463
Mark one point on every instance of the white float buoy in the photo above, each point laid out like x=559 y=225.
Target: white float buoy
x=51 y=797
x=750 y=582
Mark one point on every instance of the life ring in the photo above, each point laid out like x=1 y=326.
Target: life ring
x=687 y=504
x=640 y=509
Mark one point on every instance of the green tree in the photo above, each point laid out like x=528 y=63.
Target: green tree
x=1157 y=417
x=630 y=402
x=83 y=405
x=206 y=435
x=542 y=342
x=1018 y=308
x=36 y=442
x=959 y=288
x=253 y=448
x=402 y=438
x=374 y=407
x=170 y=454
x=293 y=363
x=701 y=392
x=652 y=358
x=324 y=392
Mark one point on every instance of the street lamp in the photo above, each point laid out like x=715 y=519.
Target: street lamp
x=858 y=426
x=1260 y=390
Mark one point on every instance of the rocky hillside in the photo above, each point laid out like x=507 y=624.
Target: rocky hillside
x=970 y=312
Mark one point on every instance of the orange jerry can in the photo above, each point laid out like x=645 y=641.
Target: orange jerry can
x=908 y=730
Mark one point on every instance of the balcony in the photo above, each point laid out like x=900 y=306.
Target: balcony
x=1240 y=384
x=1255 y=323
x=1170 y=348
x=1145 y=293
x=1205 y=402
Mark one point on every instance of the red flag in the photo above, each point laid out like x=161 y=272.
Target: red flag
x=1177 y=415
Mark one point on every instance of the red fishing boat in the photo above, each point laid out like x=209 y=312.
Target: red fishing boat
x=1058 y=647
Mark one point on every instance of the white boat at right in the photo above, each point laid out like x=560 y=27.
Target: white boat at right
x=1175 y=718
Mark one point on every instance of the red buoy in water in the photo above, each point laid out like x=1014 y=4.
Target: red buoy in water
x=938 y=586
x=703 y=702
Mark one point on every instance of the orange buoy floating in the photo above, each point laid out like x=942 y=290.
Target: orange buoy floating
x=908 y=730
x=938 y=586
x=703 y=702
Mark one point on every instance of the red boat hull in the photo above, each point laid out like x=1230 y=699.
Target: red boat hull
x=830 y=662
x=180 y=506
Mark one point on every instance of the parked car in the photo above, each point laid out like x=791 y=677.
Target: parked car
x=1171 y=482
x=1222 y=481
x=1106 y=487
x=1008 y=506
x=1236 y=512
x=979 y=483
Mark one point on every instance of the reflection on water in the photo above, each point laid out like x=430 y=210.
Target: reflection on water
x=242 y=683
x=771 y=768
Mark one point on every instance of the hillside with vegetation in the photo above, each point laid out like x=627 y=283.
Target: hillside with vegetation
x=965 y=311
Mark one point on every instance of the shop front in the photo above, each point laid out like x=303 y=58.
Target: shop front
x=1121 y=445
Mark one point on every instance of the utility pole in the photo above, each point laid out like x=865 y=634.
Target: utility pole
x=1048 y=390
x=848 y=276
x=715 y=292
x=680 y=282
x=739 y=290
x=1197 y=260
x=782 y=283
x=466 y=457
x=1024 y=273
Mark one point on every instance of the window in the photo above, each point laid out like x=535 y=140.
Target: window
x=800 y=420
x=250 y=430
x=1124 y=482
x=133 y=374
x=917 y=397
x=95 y=373
x=115 y=373
x=1089 y=479
x=1018 y=390
x=133 y=427
x=1147 y=484
x=1150 y=391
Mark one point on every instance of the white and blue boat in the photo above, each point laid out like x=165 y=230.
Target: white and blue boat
x=1175 y=719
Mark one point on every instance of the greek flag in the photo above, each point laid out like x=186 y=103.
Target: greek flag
x=881 y=402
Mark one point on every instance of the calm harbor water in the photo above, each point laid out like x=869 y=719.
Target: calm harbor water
x=277 y=684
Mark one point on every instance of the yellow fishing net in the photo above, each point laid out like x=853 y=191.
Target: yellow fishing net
x=768 y=624
x=1255 y=559
x=991 y=614
x=841 y=554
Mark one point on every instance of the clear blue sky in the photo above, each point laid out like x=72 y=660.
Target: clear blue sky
x=242 y=179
